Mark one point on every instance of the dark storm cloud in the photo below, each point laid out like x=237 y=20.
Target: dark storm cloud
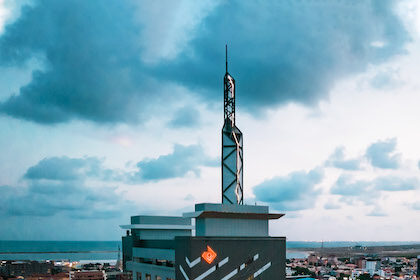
x=381 y=154
x=295 y=191
x=177 y=164
x=280 y=51
x=91 y=51
x=338 y=160
x=283 y=51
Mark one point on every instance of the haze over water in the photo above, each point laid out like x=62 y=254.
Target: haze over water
x=108 y=250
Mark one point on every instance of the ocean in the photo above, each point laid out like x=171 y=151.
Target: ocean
x=62 y=250
x=108 y=250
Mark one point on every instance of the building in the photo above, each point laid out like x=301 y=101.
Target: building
x=88 y=275
x=361 y=262
x=57 y=276
x=332 y=259
x=148 y=247
x=25 y=268
x=372 y=266
x=313 y=259
x=418 y=267
x=118 y=275
x=227 y=241
x=230 y=240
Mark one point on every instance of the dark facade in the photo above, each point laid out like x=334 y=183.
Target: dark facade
x=24 y=268
x=127 y=248
x=88 y=275
x=230 y=258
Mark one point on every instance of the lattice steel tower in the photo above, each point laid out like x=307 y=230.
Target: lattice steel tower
x=232 y=149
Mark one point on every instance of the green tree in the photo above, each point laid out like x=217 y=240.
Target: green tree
x=303 y=271
x=365 y=276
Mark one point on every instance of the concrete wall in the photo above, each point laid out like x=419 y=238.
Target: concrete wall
x=159 y=234
x=231 y=227
x=152 y=253
x=231 y=208
x=153 y=270
x=160 y=220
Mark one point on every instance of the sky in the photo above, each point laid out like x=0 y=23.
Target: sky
x=110 y=109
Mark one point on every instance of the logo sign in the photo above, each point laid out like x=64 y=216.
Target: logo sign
x=209 y=255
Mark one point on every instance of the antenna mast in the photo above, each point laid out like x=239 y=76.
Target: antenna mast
x=226 y=60
x=232 y=151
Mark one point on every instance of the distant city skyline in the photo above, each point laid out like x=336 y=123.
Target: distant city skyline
x=111 y=109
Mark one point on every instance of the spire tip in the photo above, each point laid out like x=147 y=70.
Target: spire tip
x=226 y=59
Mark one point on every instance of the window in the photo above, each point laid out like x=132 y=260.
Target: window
x=138 y=275
x=148 y=277
x=158 y=278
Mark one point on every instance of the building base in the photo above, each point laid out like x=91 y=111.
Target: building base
x=232 y=258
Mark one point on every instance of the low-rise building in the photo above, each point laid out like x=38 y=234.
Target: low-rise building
x=88 y=275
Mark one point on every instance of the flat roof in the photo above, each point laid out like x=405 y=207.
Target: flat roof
x=158 y=227
x=233 y=215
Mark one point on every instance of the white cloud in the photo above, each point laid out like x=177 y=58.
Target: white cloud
x=4 y=14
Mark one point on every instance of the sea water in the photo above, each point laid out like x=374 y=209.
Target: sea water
x=108 y=250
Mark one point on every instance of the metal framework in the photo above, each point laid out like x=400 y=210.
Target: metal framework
x=232 y=147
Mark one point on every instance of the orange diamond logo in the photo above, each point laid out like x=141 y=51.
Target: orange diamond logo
x=209 y=255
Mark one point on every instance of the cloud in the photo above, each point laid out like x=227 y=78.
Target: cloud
x=187 y=116
x=182 y=160
x=345 y=185
x=385 y=80
x=377 y=212
x=331 y=205
x=68 y=169
x=295 y=191
x=337 y=160
x=352 y=190
x=394 y=183
x=189 y=197
x=75 y=187
x=367 y=191
x=92 y=69
x=380 y=154
x=73 y=199
x=95 y=64
x=63 y=168
x=416 y=205
x=289 y=51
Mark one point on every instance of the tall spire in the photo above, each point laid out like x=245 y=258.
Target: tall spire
x=226 y=60
x=232 y=152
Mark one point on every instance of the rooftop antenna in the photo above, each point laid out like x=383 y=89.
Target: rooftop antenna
x=226 y=60
x=232 y=146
